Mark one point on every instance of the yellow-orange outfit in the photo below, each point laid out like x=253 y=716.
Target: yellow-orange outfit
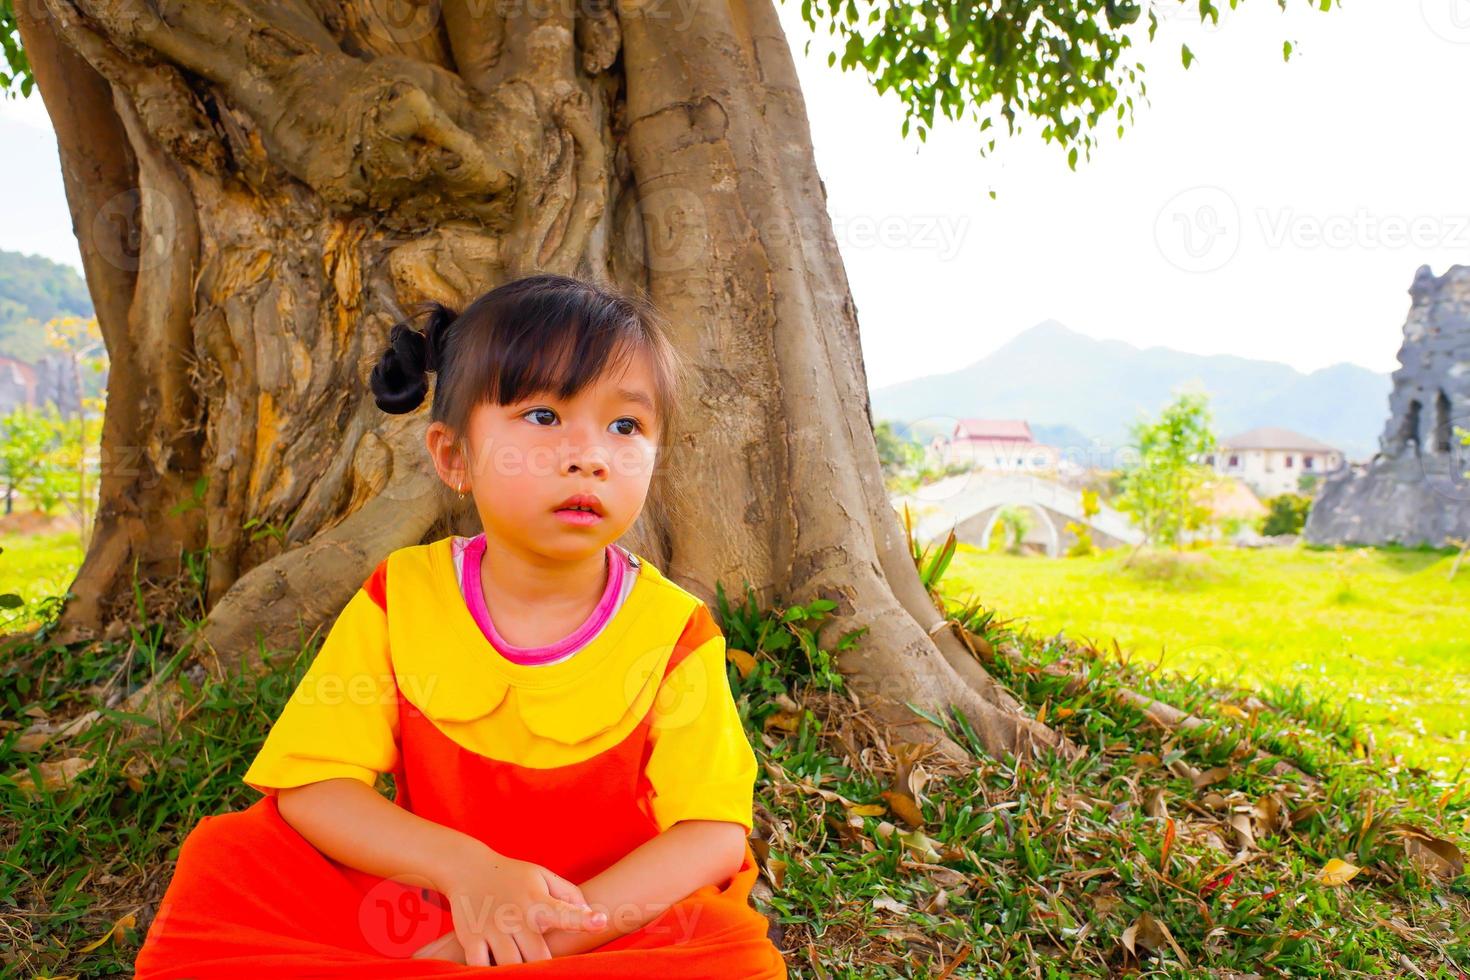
x=569 y=765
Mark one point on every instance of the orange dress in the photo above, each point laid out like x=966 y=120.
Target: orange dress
x=569 y=765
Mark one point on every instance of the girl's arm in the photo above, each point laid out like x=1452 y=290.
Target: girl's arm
x=654 y=876
x=351 y=822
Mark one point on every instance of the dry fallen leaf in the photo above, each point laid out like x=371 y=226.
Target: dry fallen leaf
x=1244 y=834
x=1184 y=770
x=890 y=905
x=786 y=721
x=903 y=805
x=1337 y=872
x=915 y=840
x=1305 y=812
x=1153 y=803
x=1434 y=854
x=742 y=659
x=126 y=922
x=908 y=776
x=1399 y=927
x=1150 y=934
x=54 y=775
x=1214 y=801
x=1270 y=815
x=1210 y=776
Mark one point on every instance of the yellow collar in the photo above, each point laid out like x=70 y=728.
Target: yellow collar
x=449 y=670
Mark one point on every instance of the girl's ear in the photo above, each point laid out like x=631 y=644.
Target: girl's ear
x=448 y=457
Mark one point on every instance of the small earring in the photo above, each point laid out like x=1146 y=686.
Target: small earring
x=461 y=491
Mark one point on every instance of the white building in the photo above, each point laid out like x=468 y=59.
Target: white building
x=1004 y=445
x=1272 y=461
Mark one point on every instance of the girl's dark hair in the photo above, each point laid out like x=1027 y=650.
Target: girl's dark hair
x=539 y=333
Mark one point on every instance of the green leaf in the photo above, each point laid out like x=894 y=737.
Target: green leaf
x=1186 y=54
x=925 y=715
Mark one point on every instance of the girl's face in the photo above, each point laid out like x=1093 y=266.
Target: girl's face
x=526 y=460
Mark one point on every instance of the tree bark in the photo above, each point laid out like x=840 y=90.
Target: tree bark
x=306 y=170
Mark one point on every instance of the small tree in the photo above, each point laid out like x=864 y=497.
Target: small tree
x=1287 y=514
x=1162 y=490
x=1083 y=545
x=71 y=474
x=51 y=460
x=78 y=342
x=25 y=438
x=895 y=452
x=1014 y=522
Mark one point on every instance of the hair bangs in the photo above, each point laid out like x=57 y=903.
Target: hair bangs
x=562 y=358
x=551 y=335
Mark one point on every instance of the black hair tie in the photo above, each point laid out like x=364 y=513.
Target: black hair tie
x=400 y=380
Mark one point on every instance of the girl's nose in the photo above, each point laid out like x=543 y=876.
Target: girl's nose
x=583 y=457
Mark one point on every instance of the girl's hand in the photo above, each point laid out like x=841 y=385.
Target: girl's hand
x=502 y=907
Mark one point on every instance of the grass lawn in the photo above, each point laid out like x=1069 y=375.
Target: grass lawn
x=1384 y=633
x=36 y=566
x=1158 y=851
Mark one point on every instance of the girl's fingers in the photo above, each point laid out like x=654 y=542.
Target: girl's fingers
x=557 y=914
x=504 y=948
x=569 y=909
x=560 y=888
x=476 y=953
x=532 y=945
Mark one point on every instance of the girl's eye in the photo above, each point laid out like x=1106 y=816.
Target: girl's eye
x=535 y=411
x=637 y=426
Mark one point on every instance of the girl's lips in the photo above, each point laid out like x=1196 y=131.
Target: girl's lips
x=578 y=518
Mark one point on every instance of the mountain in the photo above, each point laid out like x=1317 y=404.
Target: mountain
x=35 y=288
x=1055 y=377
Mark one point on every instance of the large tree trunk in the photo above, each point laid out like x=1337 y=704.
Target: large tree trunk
x=261 y=189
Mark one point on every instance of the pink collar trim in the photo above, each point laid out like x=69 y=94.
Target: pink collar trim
x=474 y=552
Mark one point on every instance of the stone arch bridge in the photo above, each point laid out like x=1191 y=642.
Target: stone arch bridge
x=971 y=503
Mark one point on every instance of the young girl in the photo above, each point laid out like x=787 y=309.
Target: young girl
x=572 y=784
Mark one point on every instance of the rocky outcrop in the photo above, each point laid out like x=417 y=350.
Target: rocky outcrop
x=1414 y=490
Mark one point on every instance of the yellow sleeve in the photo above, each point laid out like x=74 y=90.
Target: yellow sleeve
x=342 y=719
x=701 y=766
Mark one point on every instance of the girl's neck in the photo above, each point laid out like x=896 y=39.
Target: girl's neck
x=518 y=578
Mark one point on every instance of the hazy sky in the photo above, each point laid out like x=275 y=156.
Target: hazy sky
x=1261 y=208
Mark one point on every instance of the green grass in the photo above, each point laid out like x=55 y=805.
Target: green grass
x=1383 y=633
x=35 y=567
x=1011 y=871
